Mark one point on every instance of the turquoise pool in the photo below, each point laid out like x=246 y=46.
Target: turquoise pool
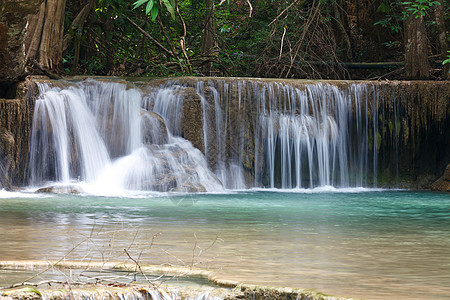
x=361 y=243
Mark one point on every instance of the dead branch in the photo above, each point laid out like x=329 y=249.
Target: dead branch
x=282 y=41
x=183 y=39
x=139 y=267
x=34 y=64
x=151 y=38
x=281 y=13
x=25 y=283
x=250 y=9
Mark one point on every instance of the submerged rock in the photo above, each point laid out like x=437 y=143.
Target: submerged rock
x=60 y=189
x=443 y=183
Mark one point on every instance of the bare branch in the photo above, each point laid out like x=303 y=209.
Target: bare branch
x=250 y=9
x=284 y=10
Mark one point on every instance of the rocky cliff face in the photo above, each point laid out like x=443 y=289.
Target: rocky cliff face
x=409 y=124
x=13 y=21
x=15 y=130
x=408 y=133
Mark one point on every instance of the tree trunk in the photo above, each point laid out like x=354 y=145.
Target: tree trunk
x=442 y=36
x=13 y=26
x=208 y=40
x=45 y=44
x=340 y=26
x=416 y=49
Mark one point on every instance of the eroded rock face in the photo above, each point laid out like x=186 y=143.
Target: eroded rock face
x=13 y=21
x=15 y=134
x=443 y=183
x=154 y=130
x=192 y=118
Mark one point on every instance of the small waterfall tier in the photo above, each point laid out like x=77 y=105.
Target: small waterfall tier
x=100 y=133
x=205 y=135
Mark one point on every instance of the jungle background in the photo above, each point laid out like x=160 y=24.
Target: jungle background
x=315 y=39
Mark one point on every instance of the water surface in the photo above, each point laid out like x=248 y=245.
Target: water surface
x=364 y=244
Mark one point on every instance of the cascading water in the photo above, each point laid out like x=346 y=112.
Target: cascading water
x=288 y=137
x=121 y=136
x=98 y=133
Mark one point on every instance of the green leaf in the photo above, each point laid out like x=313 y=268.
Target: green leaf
x=149 y=6
x=169 y=7
x=154 y=13
x=31 y=290
x=139 y=3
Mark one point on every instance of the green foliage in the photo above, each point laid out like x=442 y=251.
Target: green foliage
x=419 y=7
x=395 y=12
x=447 y=61
x=392 y=44
x=153 y=7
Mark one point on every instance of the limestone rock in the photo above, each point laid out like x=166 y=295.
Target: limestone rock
x=154 y=130
x=60 y=189
x=192 y=119
x=443 y=183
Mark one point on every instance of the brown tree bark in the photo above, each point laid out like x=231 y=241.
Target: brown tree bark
x=416 y=48
x=209 y=47
x=45 y=43
x=13 y=26
x=442 y=36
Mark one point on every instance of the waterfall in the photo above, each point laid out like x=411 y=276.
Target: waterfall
x=300 y=137
x=100 y=133
x=204 y=135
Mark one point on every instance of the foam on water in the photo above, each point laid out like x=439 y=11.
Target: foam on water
x=26 y=194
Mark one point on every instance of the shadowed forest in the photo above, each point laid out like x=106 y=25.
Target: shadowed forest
x=320 y=39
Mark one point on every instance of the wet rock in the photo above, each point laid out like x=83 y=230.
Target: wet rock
x=154 y=130
x=192 y=119
x=15 y=131
x=443 y=183
x=190 y=187
x=60 y=189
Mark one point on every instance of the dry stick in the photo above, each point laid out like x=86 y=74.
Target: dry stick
x=139 y=266
x=210 y=246
x=183 y=40
x=387 y=74
x=281 y=13
x=100 y=279
x=193 y=250
x=282 y=41
x=151 y=38
x=306 y=27
x=250 y=8
x=134 y=238
x=32 y=284
x=161 y=28
x=46 y=72
x=55 y=264
x=174 y=256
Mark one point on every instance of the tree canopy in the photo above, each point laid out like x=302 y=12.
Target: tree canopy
x=339 y=39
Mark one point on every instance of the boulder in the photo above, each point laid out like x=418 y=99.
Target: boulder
x=443 y=183
x=60 y=189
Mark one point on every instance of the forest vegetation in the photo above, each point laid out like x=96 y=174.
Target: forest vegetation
x=320 y=39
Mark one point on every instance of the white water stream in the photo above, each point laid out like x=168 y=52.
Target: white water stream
x=113 y=136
